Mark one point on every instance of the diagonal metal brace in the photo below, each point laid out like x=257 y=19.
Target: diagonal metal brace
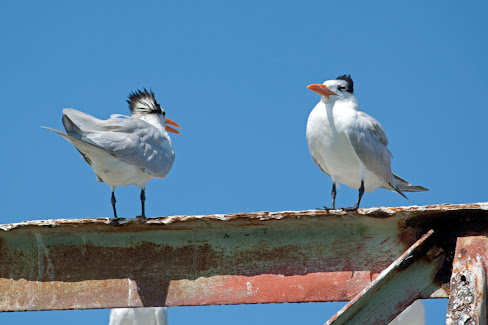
x=412 y=275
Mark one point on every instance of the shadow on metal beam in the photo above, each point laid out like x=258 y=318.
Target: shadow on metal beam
x=411 y=276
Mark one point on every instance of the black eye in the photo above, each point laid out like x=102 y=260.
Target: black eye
x=164 y=113
x=341 y=87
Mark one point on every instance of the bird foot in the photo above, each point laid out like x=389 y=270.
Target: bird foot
x=324 y=208
x=350 y=209
x=116 y=221
x=141 y=217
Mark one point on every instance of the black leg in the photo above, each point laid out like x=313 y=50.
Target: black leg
x=333 y=193
x=143 y=200
x=361 y=192
x=113 y=204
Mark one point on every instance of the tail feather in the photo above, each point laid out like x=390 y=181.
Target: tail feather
x=84 y=121
x=406 y=186
x=70 y=126
x=81 y=145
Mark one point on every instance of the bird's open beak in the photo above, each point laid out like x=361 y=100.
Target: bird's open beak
x=169 y=128
x=322 y=90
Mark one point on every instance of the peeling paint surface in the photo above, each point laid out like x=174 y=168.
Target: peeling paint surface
x=405 y=280
x=467 y=302
x=244 y=258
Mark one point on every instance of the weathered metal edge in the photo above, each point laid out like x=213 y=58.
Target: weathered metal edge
x=467 y=301
x=378 y=212
x=395 y=288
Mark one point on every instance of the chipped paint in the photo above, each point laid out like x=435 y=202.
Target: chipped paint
x=42 y=259
x=467 y=302
x=405 y=280
x=379 y=212
x=243 y=258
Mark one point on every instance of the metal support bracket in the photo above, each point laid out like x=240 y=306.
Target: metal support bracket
x=467 y=301
x=411 y=276
x=249 y=258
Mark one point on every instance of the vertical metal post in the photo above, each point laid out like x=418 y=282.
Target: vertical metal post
x=467 y=301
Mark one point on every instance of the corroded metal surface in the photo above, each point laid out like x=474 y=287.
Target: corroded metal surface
x=467 y=302
x=262 y=257
x=408 y=278
x=410 y=213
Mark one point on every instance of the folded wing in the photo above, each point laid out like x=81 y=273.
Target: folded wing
x=370 y=144
x=130 y=139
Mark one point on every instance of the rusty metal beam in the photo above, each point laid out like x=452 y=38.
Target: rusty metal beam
x=241 y=258
x=411 y=276
x=467 y=301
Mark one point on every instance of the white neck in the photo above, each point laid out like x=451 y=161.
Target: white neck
x=152 y=119
x=349 y=101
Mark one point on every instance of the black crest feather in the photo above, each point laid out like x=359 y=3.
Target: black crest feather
x=350 y=83
x=143 y=102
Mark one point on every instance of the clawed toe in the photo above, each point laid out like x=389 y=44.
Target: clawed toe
x=350 y=209
x=324 y=208
x=115 y=221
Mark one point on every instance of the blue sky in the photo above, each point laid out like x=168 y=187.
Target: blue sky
x=234 y=76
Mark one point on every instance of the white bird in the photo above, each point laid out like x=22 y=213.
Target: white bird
x=124 y=150
x=349 y=145
x=139 y=316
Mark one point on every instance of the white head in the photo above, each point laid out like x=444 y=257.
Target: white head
x=341 y=88
x=143 y=105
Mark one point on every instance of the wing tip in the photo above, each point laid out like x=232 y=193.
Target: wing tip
x=399 y=191
x=416 y=188
x=52 y=129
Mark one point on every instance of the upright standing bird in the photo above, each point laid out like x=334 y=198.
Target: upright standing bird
x=349 y=145
x=124 y=150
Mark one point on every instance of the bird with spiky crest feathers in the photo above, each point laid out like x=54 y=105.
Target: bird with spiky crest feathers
x=143 y=102
x=349 y=145
x=124 y=150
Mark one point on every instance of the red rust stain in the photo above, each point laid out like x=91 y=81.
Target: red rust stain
x=385 y=240
x=94 y=276
x=165 y=221
x=267 y=288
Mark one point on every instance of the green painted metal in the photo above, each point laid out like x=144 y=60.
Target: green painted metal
x=217 y=259
x=410 y=277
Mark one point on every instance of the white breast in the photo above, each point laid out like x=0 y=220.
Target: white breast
x=119 y=173
x=331 y=149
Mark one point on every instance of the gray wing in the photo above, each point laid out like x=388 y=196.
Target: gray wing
x=370 y=144
x=406 y=186
x=81 y=144
x=86 y=149
x=132 y=140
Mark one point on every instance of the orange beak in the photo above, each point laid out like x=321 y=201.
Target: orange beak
x=322 y=90
x=169 y=128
